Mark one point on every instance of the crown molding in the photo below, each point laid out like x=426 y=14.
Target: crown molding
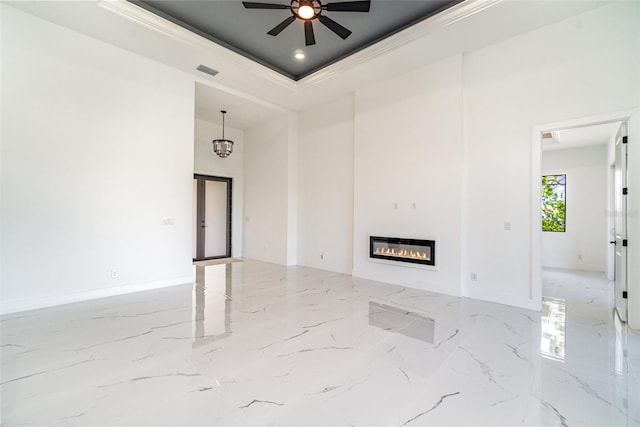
x=462 y=10
x=150 y=20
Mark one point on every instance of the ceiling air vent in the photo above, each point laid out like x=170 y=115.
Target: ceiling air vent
x=207 y=70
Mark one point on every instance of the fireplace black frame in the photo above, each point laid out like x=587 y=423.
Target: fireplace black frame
x=401 y=241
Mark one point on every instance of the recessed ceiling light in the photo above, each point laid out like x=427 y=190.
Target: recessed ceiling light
x=298 y=54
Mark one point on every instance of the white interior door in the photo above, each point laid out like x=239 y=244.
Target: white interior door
x=215 y=232
x=619 y=188
x=212 y=217
x=195 y=219
x=611 y=221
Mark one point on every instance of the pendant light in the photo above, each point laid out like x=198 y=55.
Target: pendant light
x=222 y=147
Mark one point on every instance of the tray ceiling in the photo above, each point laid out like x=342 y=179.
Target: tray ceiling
x=244 y=31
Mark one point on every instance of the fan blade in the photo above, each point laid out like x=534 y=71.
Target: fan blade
x=309 y=38
x=334 y=26
x=349 y=6
x=281 y=26
x=254 y=5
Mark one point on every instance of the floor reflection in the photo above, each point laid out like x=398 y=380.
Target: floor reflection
x=553 y=327
x=395 y=319
x=212 y=303
x=620 y=331
x=310 y=347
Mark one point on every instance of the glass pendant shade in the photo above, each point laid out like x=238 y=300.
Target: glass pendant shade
x=222 y=147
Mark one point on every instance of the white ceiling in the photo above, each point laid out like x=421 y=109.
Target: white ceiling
x=241 y=83
x=585 y=136
x=242 y=113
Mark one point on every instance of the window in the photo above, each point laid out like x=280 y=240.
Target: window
x=554 y=210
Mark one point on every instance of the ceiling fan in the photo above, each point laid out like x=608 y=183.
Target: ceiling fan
x=307 y=11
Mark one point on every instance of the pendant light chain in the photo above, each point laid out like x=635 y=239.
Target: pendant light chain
x=223 y=114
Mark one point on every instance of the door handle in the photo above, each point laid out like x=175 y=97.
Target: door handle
x=613 y=243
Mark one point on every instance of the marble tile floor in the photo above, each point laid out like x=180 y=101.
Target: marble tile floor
x=259 y=344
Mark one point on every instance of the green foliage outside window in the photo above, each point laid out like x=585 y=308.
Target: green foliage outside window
x=554 y=210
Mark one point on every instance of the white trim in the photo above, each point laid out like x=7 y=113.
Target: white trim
x=168 y=28
x=535 y=241
x=24 y=304
x=535 y=266
x=428 y=287
x=430 y=25
x=404 y=264
x=504 y=298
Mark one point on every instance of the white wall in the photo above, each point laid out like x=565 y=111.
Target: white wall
x=206 y=162
x=584 y=244
x=125 y=125
x=325 y=187
x=292 y=189
x=408 y=150
x=97 y=148
x=579 y=67
x=1 y=151
x=266 y=191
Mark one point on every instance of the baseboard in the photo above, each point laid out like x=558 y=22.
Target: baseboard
x=25 y=304
x=393 y=280
x=583 y=270
x=503 y=298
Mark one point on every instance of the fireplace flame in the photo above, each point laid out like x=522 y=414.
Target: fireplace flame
x=402 y=253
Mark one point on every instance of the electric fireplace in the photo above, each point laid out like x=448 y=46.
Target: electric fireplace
x=415 y=251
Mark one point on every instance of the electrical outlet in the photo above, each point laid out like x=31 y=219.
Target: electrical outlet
x=474 y=277
x=507 y=226
x=580 y=256
x=114 y=274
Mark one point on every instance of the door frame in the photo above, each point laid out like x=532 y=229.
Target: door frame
x=535 y=276
x=611 y=233
x=200 y=215
x=621 y=269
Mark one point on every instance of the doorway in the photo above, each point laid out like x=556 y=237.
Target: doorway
x=617 y=123
x=212 y=197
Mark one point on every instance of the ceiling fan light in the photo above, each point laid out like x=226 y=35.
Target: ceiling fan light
x=306 y=10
